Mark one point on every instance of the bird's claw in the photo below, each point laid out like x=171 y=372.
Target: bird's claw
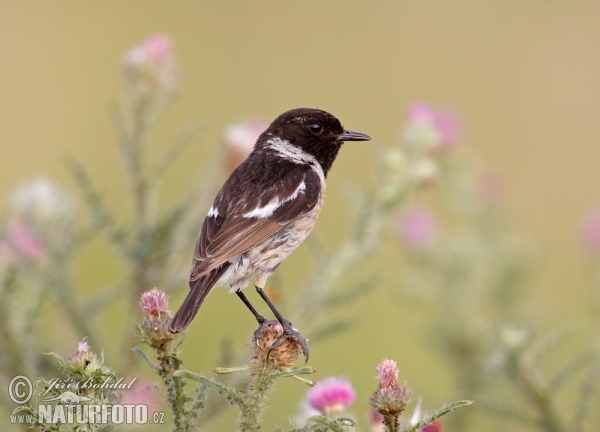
x=262 y=323
x=290 y=333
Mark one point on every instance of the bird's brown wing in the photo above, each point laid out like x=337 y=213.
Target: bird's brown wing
x=236 y=230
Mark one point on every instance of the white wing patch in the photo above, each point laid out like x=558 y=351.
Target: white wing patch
x=274 y=204
x=213 y=212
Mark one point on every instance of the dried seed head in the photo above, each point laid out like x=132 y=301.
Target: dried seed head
x=284 y=355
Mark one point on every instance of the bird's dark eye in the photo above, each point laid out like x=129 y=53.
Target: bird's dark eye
x=315 y=128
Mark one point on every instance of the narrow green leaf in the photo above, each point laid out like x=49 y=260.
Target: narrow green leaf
x=334 y=425
x=144 y=357
x=221 y=388
x=181 y=141
x=304 y=380
x=567 y=372
x=439 y=413
x=293 y=372
x=142 y=334
x=225 y=371
x=58 y=358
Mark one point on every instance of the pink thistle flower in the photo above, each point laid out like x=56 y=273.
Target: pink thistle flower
x=240 y=139
x=331 y=394
x=143 y=395
x=152 y=64
x=25 y=242
x=434 y=426
x=83 y=346
x=154 y=303
x=387 y=373
x=439 y=128
x=418 y=228
x=590 y=231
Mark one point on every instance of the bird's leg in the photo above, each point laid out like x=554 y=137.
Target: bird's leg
x=288 y=331
x=262 y=321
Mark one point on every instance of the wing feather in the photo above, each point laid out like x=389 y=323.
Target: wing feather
x=230 y=233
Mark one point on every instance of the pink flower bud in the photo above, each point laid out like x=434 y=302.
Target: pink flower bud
x=441 y=127
x=387 y=373
x=154 y=303
x=83 y=346
x=151 y=65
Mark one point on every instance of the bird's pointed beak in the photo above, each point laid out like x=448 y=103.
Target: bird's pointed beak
x=349 y=135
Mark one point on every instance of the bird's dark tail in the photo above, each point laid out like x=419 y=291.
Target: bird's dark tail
x=198 y=293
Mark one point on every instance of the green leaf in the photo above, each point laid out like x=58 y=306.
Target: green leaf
x=304 y=380
x=567 y=372
x=59 y=359
x=334 y=425
x=225 y=371
x=439 y=413
x=144 y=357
x=142 y=334
x=300 y=371
x=181 y=141
x=221 y=388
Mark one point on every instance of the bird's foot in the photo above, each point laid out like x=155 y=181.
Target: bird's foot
x=290 y=333
x=278 y=343
x=262 y=324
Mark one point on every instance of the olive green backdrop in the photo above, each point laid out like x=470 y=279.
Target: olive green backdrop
x=525 y=75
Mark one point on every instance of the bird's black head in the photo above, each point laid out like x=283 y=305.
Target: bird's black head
x=312 y=131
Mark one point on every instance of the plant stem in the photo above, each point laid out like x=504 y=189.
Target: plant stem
x=254 y=397
x=169 y=364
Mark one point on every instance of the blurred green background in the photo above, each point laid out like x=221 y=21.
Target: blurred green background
x=523 y=75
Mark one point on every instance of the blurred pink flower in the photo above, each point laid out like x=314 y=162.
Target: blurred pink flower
x=331 y=394
x=490 y=189
x=442 y=126
x=434 y=426
x=590 y=231
x=154 y=303
x=24 y=242
x=152 y=63
x=418 y=228
x=146 y=394
x=240 y=139
x=387 y=373
x=83 y=346
x=376 y=424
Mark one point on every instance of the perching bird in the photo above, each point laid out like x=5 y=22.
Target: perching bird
x=265 y=209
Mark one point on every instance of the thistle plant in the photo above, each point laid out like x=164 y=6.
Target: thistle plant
x=391 y=399
x=461 y=258
x=264 y=368
x=87 y=380
x=154 y=332
x=521 y=362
